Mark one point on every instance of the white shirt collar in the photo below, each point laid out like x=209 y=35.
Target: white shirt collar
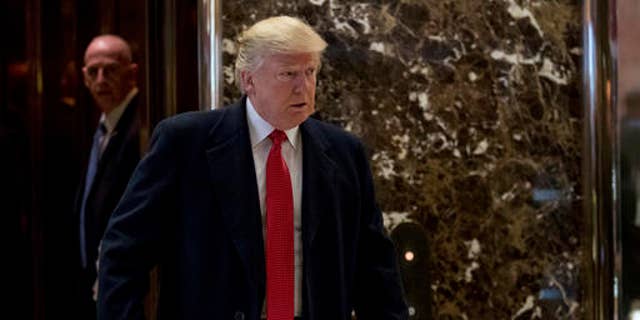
x=111 y=120
x=259 y=129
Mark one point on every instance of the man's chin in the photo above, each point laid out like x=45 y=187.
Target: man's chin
x=105 y=104
x=296 y=121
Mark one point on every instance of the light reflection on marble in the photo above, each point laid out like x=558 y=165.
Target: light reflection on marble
x=471 y=112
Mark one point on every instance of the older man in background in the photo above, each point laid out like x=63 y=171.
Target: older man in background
x=110 y=75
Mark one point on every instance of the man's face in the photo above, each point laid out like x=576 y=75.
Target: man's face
x=283 y=88
x=107 y=76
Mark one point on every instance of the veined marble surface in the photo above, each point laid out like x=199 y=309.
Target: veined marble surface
x=471 y=111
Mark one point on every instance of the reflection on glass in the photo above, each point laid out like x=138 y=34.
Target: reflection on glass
x=629 y=142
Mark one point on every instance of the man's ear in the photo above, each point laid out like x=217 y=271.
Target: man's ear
x=133 y=73
x=246 y=79
x=134 y=69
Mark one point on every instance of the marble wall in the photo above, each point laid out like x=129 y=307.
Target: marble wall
x=472 y=114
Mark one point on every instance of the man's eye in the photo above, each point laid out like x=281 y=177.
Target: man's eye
x=108 y=70
x=287 y=75
x=92 y=72
x=310 y=72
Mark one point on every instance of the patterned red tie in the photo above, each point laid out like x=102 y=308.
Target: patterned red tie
x=280 y=264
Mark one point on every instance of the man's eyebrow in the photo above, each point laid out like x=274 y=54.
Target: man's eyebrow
x=284 y=64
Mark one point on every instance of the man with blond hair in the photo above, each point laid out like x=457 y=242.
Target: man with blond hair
x=254 y=211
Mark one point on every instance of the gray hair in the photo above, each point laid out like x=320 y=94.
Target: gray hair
x=282 y=34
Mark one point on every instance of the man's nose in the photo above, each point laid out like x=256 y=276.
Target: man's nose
x=302 y=82
x=100 y=75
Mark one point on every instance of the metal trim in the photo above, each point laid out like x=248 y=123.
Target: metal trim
x=170 y=58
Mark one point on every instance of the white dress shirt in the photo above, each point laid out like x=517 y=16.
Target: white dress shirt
x=259 y=131
x=110 y=120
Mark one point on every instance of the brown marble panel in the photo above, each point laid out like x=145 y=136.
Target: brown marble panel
x=471 y=111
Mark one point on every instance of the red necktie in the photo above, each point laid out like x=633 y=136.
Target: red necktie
x=280 y=264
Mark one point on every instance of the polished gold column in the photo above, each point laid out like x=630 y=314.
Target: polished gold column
x=209 y=53
x=600 y=172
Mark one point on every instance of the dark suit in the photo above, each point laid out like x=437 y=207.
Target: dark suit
x=192 y=207
x=115 y=167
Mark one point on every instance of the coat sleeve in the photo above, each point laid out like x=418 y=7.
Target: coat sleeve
x=379 y=292
x=132 y=240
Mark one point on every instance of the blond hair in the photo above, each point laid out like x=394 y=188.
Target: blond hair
x=282 y=34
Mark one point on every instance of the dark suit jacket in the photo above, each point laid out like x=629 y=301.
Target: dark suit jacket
x=192 y=206
x=115 y=167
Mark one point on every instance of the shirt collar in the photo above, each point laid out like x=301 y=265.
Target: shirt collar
x=259 y=129
x=111 y=120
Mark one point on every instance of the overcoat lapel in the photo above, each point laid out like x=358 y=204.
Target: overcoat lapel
x=318 y=185
x=318 y=204
x=232 y=172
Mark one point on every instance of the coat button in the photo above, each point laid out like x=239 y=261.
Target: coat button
x=239 y=315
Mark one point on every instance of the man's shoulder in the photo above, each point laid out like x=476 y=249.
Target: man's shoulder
x=333 y=133
x=199 y=121
x=192 y=119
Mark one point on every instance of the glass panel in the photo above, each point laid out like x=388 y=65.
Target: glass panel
x=14 y=159
x=629 y=120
